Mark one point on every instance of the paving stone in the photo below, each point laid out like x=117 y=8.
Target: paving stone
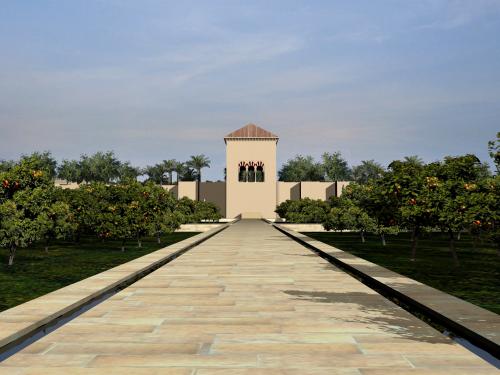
x=247 y=301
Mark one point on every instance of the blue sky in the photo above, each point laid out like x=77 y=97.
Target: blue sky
x=155 y=80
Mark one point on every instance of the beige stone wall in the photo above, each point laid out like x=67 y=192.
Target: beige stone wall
x=340 y=186
x=172 y=189
x=304 y=227
x=187 y=189
x=66 y=185
x=214 y=192
x=287 y=190
x=317 y=189
x=197 y=227
x=251 y=199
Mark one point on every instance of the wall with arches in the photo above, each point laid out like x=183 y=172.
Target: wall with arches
x=251 y=177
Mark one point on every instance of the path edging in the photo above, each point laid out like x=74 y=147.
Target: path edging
x=429 y=308
x=116 y=281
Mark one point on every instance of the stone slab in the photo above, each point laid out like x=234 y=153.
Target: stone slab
x=471 y=317
x=30 y=316
x=266 y=305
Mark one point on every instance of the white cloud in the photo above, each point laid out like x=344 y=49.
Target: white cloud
x=451 y=14
x=199 y=59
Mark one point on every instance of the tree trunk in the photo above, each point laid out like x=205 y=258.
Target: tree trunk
x=414 y=243
x=158 y=238
x=47 y=246
x=123 y=245
x=12 y=253
x=362 y=236
x=382 y=237
x=452 y=249
x=139 y=242
x=459 y=235
x=198 y=186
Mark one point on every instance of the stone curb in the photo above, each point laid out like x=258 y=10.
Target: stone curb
x=23 y=321
x=480 y=326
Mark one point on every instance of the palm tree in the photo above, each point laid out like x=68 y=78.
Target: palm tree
x=414 y=160
x=198 y=162
x=179 y=169
x=170 y=166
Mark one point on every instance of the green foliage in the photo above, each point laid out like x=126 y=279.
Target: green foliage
x=198 y=162
x=42 y=161
x=380 y=203
x=156 y=173
x=336 y=167
x=303 y=210
x=160 y=206
x=16 y=228
x=186 y=173
x=128 y=173
x=57 y=221
x=407 y=178
x=368 y=170
x=70 y=170
x=455 y=198
x=113 y=207
x=455 y=195
x=169 y=167
x=23 y=175
x=301 y=168
x=206 y=211
x=344 y=214
x=99 y=167
x=192 y=211
x=25 y=198
x=494 y=151
x=6 y=165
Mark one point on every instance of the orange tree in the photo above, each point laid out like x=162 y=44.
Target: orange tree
x=54 y=217
x=160 y=206
x=485 y=207
x=21 y=204
x=344 y=214
x=381 y=204
x=411 y=194
x=455 y=199
x=303 y=210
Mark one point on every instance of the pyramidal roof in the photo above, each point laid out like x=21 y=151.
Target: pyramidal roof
x=251 y=131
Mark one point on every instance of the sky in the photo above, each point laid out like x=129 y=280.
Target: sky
x=154 y=80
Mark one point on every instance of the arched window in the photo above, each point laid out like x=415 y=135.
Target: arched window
x=259 y=175
x=251 y=173
x=242 y=176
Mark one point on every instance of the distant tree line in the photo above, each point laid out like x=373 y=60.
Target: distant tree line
x=32 y=209
x=332 y=167
x=107 y=168
x=455 y=195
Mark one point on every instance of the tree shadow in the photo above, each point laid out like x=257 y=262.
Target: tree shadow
x=377 y=312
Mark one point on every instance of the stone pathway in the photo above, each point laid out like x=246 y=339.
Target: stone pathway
x=247 y=301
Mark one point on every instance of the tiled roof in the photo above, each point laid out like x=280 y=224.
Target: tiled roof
x=251 y=131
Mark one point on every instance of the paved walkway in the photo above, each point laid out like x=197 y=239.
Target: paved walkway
x=247 y=301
